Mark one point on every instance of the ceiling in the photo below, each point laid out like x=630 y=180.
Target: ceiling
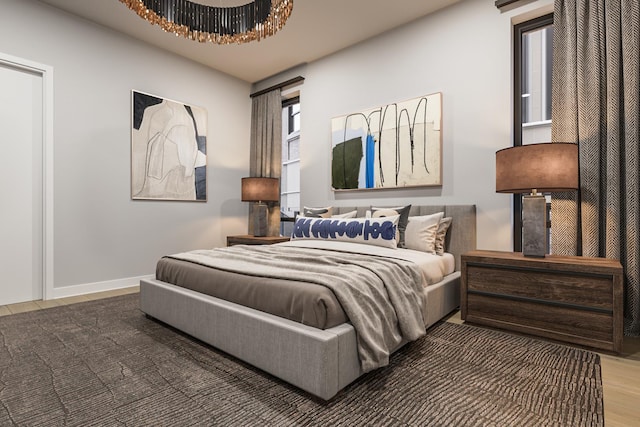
x=315 y=29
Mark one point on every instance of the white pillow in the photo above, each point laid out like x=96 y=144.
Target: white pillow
x=421 y=232
x=351 y=214
x=371 y=231
x=315 y=214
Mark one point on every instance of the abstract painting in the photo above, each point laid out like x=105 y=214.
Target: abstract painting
x=168 y=149
x=398 y=145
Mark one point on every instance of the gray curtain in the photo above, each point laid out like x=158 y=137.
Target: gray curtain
x=596 y=103
x=266 y=148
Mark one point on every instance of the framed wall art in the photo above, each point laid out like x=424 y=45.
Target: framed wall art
x=168 y=149
x=398 y=145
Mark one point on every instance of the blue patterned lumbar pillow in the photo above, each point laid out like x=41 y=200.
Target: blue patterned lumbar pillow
x=371 y=231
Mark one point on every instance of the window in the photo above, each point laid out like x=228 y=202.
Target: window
x=537 y=61
x=533 y=53
x=290 y=178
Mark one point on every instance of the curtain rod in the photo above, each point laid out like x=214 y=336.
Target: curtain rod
x=509 y=4
x=278 y=86
x=503 y=3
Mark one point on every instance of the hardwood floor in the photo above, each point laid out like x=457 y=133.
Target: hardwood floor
x=39 y=305
x=621 y=385
x=620 y=373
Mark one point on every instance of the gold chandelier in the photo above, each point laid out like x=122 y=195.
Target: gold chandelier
x=222 y=25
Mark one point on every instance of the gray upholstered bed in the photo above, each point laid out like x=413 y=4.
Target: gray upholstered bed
x=319 y=361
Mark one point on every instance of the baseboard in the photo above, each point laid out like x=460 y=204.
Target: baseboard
x=89 y=288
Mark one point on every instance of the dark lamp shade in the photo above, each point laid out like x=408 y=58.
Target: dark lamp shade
x=260 y=189
x=544 y=167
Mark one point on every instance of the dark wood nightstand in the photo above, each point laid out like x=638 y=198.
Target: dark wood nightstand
x=571 y=299
x=253 y=240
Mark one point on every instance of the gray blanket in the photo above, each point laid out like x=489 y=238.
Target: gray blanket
x=381 y=296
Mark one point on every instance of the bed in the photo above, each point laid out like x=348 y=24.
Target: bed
x=319 y=361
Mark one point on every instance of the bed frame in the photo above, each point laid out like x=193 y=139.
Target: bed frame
x=321 y=362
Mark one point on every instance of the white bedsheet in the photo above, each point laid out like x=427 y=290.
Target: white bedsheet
x=433 y=267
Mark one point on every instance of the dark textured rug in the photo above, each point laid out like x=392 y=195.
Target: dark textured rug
x=104 y=363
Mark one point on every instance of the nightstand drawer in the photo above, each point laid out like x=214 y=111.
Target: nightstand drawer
x=253 y=240
x=558 y=320
x=565 y=287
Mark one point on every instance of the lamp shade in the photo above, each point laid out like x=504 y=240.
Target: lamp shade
x=544 y=167
x=260 y=189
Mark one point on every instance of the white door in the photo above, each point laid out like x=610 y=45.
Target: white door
x=21 y=194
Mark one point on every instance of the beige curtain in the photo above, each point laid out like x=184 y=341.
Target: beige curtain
x=266 y=148
x=596 y=103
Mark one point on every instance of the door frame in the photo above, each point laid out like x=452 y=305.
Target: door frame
x=46 y=72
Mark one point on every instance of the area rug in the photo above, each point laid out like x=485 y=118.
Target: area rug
x=103 y=363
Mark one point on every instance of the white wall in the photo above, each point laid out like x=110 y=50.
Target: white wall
x=101 y=236
x=463 y=51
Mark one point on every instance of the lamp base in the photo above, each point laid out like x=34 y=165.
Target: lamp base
x=260 y=219
x=534 y=226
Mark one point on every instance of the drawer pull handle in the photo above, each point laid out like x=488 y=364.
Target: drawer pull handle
x=541 y=301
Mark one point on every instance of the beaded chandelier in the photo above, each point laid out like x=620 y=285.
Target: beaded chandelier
x=222 y=25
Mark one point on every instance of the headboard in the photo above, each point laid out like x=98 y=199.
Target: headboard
x=461 y=236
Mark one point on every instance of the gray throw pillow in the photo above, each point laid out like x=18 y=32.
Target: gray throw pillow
x=403 y=211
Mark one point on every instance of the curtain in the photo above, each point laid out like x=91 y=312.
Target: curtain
x=266 y=148
x=595 y=103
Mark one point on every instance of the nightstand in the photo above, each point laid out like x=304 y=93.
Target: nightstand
x=253 y=240
x=566 y=298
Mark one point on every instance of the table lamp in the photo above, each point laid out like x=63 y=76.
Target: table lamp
x=534 y=169
x=260 y=190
